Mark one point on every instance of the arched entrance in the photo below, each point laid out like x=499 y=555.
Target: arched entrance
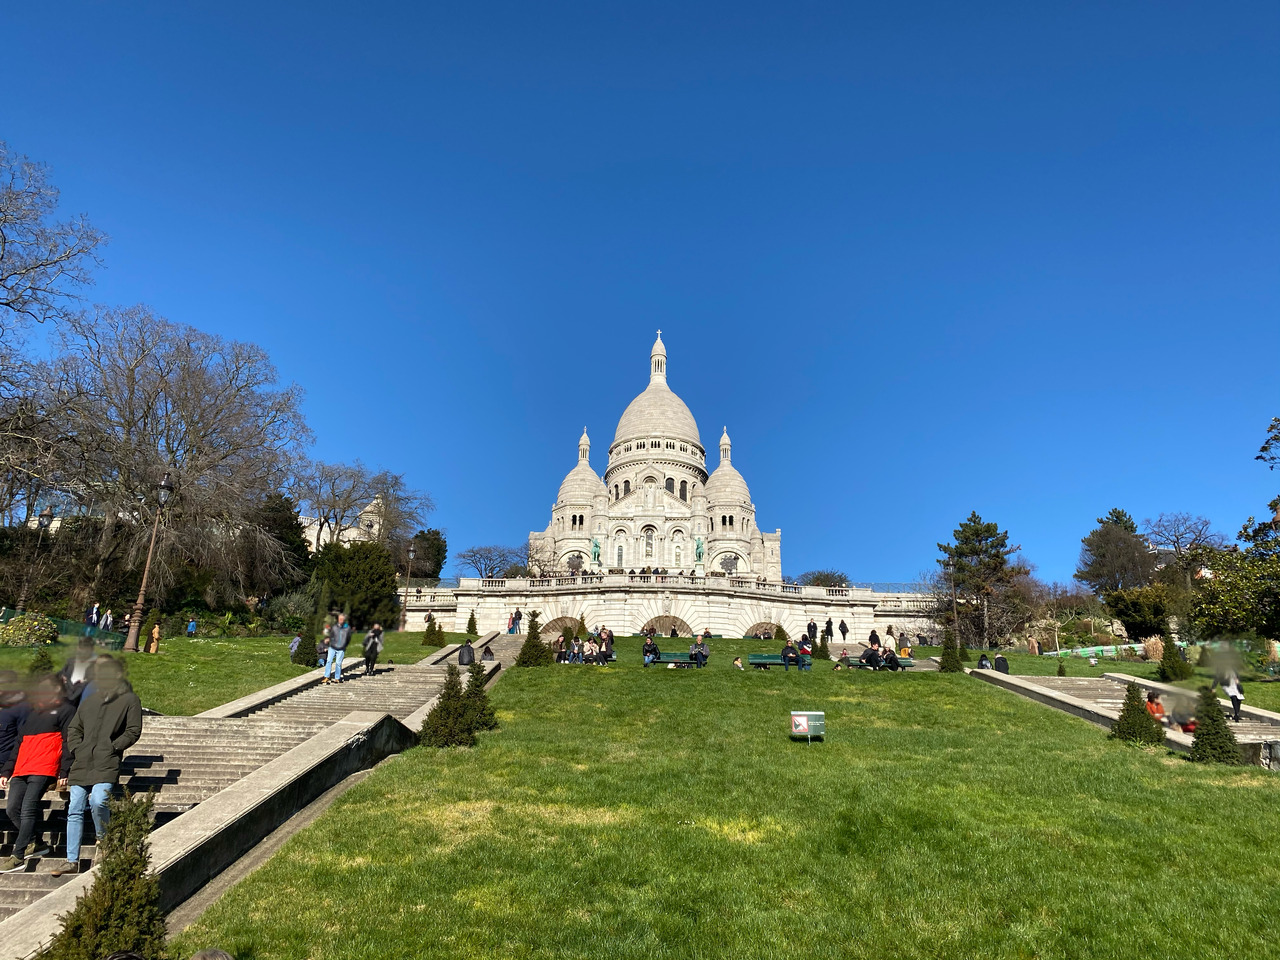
x=566 y=625
x=764 y=628
x=664 y=624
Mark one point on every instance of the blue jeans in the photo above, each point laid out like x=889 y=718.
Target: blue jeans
x=575 y=658
x=334 y=660
x=649 y=658
x=700 y=659
x=96 y=797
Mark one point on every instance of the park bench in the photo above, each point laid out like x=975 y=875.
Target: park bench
x=904 y=662
x=763 y=661
x=681 y=658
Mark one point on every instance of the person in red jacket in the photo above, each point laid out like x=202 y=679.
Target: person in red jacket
x=39 y=759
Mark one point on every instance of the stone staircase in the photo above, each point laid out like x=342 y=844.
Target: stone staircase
x=1109 y=695
x=397 y=689
x=185 y=760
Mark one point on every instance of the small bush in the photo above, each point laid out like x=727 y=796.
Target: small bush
x=1172 y=666
x=433 y=635
x=28 y=630
x=823 y=650
x=471 y=625
x=446 y=724
x=304 y=655
x=780 y=633
x=533 y=652
x=1153 y=649
x=1213 y=741
x=1062 y=667
x=1136 y=725
x=121 y=910
x=950 y=657
x=40 y=664
x=479 y=711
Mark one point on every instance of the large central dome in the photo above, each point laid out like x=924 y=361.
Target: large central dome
x=657 y=412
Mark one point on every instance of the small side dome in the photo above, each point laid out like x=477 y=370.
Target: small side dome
x=725 y=485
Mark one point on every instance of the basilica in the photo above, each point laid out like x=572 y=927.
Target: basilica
x=657 y=507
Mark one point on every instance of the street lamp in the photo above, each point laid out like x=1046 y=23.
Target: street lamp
x=163 y=493
x=404 y=615
x=43 y=520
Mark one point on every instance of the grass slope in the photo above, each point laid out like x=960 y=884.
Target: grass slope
x=623 y=812
x=188 y=676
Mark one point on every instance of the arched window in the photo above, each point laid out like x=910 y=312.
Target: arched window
x=678 y=555
x=573 y=522
x=615 y=491
x=619 y=554
x=671 y=485
x=731 y=523
x=684 y=489
x=626 y=487
x=648 y=543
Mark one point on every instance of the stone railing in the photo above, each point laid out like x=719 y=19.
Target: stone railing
x=903 y=598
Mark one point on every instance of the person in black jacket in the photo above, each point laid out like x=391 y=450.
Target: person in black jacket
x=78 y=671
x=791 y=655
x=467 y=655
x=650 y=651
x=844 y=632
x=13 y=710
x=812 y=632
x=39 y=759
x=873 y=656
x=107 y=724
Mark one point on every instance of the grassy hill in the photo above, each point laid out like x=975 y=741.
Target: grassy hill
x=624 y=812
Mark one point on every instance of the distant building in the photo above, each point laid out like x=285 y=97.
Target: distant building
x=367 y=526
x=656 y=506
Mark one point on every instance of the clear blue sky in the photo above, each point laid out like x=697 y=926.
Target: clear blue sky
x=921 y=258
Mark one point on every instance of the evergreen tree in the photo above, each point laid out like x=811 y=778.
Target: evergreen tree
x=431 y=636
x=278 y=516
x=1144 y=611
x=989 y=586
x=305 y=654
x=1135 y=724
x=446 y=723
x=823 y=650
x=362 y=577
x=780 y=633
x=432 y=550
x=121 y=911
x=1062 y=667
x=950 y=656
x=471 y=625
x=962 y=651
x=480 y=715
x=1213 y=740
x=41 y=663
x=1172 y=666
x=1119 y=518
x=533 y=652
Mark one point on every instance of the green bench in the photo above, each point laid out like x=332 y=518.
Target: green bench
x=681 y=658
x=904 y=662
x=763 y=661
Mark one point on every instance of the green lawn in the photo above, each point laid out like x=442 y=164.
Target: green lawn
x=188 y=676
x=623 y=812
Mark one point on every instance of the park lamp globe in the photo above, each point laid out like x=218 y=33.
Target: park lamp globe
x=45 y=518
x=165 y=490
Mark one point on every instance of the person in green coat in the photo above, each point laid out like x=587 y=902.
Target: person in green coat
x=107 y=724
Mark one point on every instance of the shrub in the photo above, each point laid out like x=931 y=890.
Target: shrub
x=533 y=652
x=433 y=635
x=446 y=723
x=28 y=630
x=471 y=625
x=121 y=910
x=950 y=657
x=304 y=655
x=1213 y=740
x=780 y=633
x=40 y=664
x=1136 y=725
x=1172 y=666
x=479 y=711
x=1153 y=649
x=823 y=650
x=1062 y=667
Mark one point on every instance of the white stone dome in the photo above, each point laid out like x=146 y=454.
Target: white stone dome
x=657 y=412
x=725 y=485
x=581 y=485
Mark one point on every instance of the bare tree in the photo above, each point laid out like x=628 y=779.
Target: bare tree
x=487 y=562
x=132 y=396
x=1178 y=534
x=341 y=495
x=42 y=262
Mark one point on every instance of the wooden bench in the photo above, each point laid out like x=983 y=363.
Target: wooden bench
x=681 y=658
x=763 y=661
x=904 y=663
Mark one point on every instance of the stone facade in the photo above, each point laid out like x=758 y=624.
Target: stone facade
x=657 y=507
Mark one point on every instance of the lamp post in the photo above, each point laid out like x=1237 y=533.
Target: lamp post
x=408 y=575
x=43 y=520
x=955 y=610
x=163 y=493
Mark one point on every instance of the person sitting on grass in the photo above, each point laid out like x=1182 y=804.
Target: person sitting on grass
x=1156 y=708
x=650 y=652
x=699 y=651
x=737 y=662
x=984 y=663
x=844 y=660
x=1000 y=663
x=562 y=655
x=606 y=645
x=873 y=657
x=575 y=651
x=591 y=651
x=791 y=655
